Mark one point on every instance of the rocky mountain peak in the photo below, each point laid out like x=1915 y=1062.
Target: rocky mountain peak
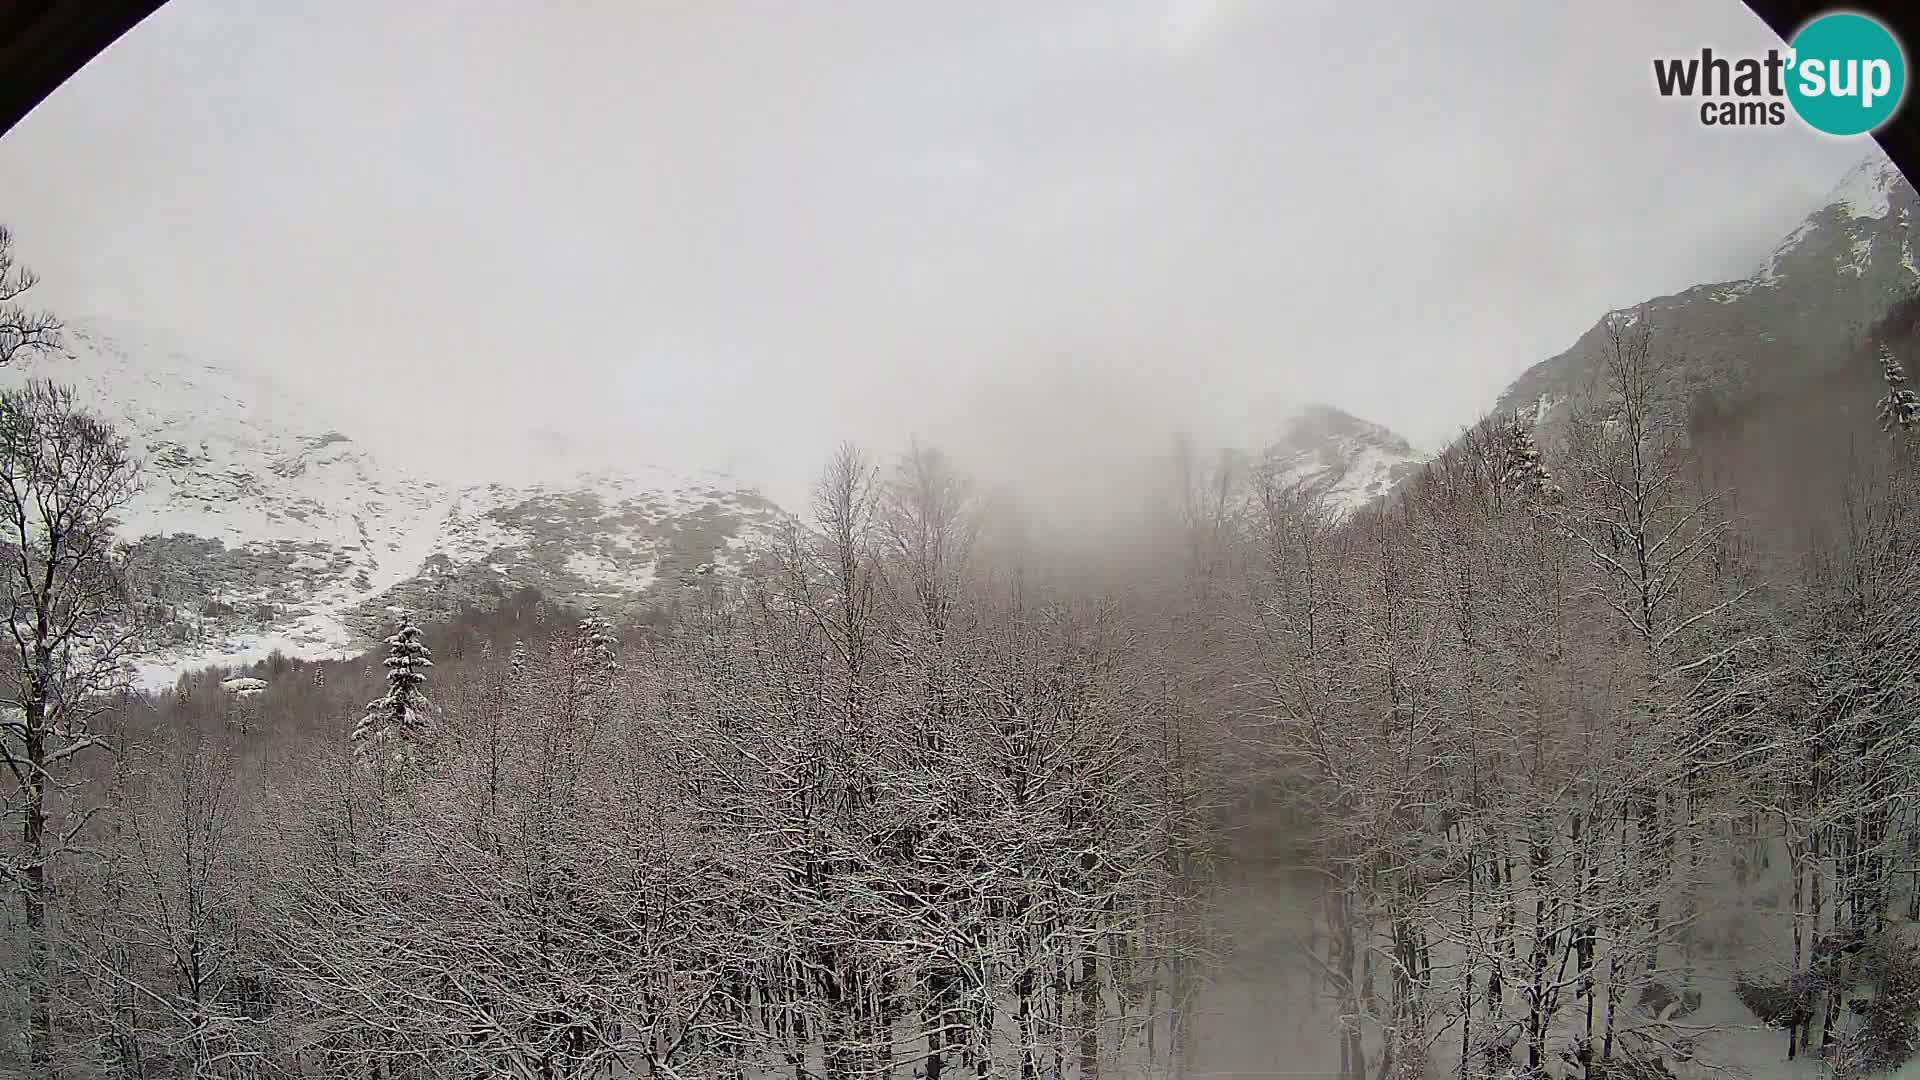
x=1347 y=461
x=1841 y=268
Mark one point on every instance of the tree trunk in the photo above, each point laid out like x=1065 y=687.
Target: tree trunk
x=33 y=898
x=1090 y=1011
x=935 y=1021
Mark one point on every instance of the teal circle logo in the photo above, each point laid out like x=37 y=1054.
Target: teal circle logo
x=1847 y=75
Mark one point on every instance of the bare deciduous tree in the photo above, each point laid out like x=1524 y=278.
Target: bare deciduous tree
x=23 y=332
x=64 y=476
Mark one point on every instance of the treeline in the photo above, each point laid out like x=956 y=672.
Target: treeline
x=891 y=806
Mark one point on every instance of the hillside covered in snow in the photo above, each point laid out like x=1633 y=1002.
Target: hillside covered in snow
x=1847 y=262
x=1345 y=461
x=256 y=532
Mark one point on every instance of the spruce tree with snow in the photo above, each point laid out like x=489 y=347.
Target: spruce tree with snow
x=597 y=641
x=1525 y=469
x=394 y=729
x=1900 y=408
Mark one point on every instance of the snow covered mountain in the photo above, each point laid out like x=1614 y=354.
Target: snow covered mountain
x=256 y=531
x=262 y=529
x=1346 y=461
x=1837 y=272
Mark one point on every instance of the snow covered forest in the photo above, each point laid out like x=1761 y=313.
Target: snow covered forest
x=1589 y=754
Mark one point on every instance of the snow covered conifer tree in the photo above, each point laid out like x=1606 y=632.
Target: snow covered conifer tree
x=1900 y=408
x=394 y=728
x=597 y=641
x=1525 y=469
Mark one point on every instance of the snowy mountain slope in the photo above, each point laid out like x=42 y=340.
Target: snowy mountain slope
x=1345 y=460
x=257 y=532
x=617 y=539
x=1835 y=273
x=1342 y=461
x=260 y=528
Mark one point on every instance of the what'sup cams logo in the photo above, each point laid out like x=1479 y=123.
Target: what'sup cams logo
x=1843 y=74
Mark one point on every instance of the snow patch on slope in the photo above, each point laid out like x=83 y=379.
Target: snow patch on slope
x=1864 y=194
x=601 y=570
x=1866 y=190
x=1769 y=271
x=161 y=671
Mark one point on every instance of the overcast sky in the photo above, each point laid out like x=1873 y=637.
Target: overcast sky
x=740 y=231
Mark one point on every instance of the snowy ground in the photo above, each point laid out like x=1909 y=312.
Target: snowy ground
x=1265 y=1018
